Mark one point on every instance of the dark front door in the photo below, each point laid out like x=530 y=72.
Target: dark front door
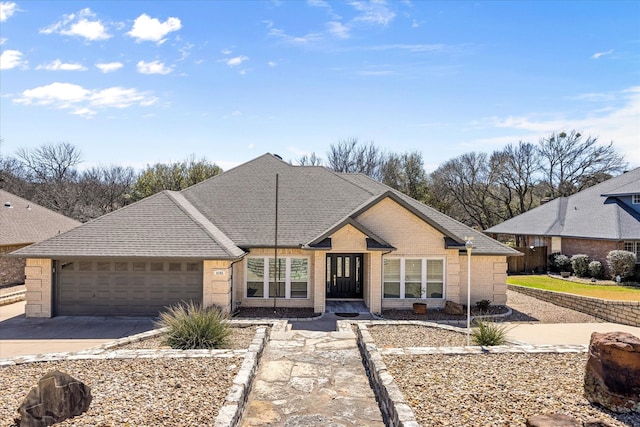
x=344 y=276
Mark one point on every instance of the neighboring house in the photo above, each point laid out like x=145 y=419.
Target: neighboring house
x=339 y=236
x=595 y=221
x=22 y=223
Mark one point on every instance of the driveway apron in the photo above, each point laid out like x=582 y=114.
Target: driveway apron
x=311 y=378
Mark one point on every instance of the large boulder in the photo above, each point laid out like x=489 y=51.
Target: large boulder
x=612 y=375
x=451 y=307
x=57 y=396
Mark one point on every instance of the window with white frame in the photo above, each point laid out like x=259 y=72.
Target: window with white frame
x=292 y=279
x=633 y=246
x=635 y=199
x=413 y=278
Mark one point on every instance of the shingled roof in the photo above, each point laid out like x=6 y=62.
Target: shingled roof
x=594 y=213
x=24 y=222
x=236 y=209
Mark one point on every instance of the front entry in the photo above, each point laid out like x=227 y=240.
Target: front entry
x=344 y=276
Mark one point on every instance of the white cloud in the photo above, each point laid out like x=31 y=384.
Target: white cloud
x=226 y=51
x=83 y=24
x=58 y=65
x=598 y=55
x=235 y=61
x=108 y=67
x=83 y=102
x=338 y=30
x=146 y=28
x=11 y=59
x=272 y=64
x=3 y=40
x=155 y=67
x=617 y=121
x=296 y=40
x=373 y=13
x=7 y=9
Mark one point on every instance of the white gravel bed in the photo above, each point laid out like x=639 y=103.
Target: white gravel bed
x=496 y=389
x=400 y=336
x=132 y=392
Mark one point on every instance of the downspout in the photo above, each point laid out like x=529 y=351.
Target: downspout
x=382 y=278
x=276 y=272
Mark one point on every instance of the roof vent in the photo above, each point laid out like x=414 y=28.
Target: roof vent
x=8 y=205
x=277 y=156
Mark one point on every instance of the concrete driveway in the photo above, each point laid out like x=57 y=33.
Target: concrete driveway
x=20 y=336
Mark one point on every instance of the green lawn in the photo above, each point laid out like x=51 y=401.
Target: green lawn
x=612 y=292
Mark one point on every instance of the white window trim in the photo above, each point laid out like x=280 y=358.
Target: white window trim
x=265 y=277
x=635 y=199
x=423 y=286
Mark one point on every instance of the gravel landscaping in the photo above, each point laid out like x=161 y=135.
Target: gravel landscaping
x=136 y=392
x=496 y=389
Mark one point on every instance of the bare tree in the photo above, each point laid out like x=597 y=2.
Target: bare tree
x=572 y=163
x=105 y=189
x=310 y=160
x=50 y=162
x=514 y=169
x=350 y=156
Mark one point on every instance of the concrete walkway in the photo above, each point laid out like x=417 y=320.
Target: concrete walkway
x=562 y=333
x=311 y=378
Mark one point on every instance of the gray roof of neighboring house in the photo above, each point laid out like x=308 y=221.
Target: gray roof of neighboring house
x=24 y=222
x=236 y=209
x=594 y=213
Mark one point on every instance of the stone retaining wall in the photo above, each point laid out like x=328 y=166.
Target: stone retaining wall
x=623 y=312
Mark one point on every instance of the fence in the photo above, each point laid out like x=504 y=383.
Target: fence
x=533 y=260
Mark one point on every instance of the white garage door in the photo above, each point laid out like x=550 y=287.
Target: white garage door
x=124 y=288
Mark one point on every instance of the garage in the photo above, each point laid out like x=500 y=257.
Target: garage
x=124 y=287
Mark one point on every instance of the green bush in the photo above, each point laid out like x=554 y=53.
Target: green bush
x=483 y=305
x=580 y=265
x=563 y=262
x=489 y=333
x=190 y=326
x=621 y=263
x=596 y=270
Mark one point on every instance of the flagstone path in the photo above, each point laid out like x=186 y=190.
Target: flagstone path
x=309 y=378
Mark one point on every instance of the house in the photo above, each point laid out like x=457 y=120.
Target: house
x=339 y=236
x=22 y=223
x=595 y=221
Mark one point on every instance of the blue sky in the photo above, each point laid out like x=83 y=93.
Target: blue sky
x=136 y=82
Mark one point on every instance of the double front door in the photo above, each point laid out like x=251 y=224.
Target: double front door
x=344 y=275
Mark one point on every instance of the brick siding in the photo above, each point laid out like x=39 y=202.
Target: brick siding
x=623 y=312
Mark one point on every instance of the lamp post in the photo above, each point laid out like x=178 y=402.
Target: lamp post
x=469 y=245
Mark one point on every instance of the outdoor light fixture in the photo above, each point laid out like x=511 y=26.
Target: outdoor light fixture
x=469 y=245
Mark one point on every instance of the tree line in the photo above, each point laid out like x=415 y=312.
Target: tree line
x=476 y=188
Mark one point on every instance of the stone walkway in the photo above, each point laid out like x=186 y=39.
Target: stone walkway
x=310 y=378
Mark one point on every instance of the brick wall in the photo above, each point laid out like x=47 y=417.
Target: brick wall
x=623 y=312
x=216 y=284
x=595 y=249
x=11 y=269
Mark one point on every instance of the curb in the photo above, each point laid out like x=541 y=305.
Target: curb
x=12 y=297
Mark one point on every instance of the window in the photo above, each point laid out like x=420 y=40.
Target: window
x=413 y=278
x=292 y=279
x=633 y=246
x=635 y=199
x=139 y=266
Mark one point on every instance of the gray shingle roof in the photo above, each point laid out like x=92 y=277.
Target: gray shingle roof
x=594 y=213
x=26 y=222
x=236 y=209
x=157 y=226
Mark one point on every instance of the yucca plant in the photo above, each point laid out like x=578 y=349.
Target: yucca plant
x=191 y=326
x=489 y=333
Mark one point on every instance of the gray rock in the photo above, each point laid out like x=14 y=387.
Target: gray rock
x=57 y=396
x=552 y=420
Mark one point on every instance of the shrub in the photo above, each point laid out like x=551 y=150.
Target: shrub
x=489 y=333
x=190 y=326
x=483 y=305
x=621 y=263
x=580 y=265
x=552 y=262
x=596 y=270
x=563 y=262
